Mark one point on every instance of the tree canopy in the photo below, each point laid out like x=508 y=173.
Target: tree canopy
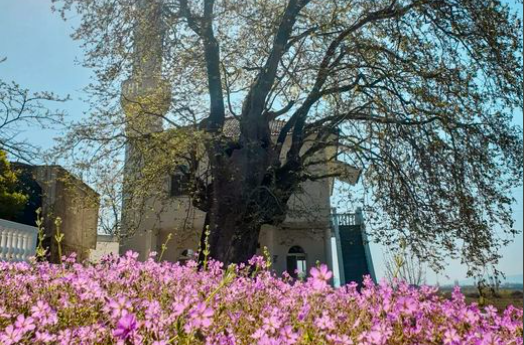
x=420 y=94
x=11 y=201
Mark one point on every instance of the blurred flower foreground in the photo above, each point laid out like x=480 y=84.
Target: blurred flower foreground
x=124 y=301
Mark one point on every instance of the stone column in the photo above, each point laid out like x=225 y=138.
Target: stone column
x=327 y=248
x=369 y=259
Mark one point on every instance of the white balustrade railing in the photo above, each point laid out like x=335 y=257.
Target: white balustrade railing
x=17 y=241
x=341 y=219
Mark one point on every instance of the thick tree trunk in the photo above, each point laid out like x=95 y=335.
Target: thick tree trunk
x=233 y=240
x=237 y=207
x=248 y=191
x=232 y=217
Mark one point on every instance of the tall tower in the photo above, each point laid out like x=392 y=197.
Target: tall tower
x=146 y=95
x=145 y=99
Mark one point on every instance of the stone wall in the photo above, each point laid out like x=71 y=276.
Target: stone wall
x=105 y=245
x=60 y=194
x=76 y=204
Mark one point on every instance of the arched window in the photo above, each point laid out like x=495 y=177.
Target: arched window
x=296 y=262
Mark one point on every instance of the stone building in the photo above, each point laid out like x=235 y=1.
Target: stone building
x=60 y=194
x=311 y=233
x=306 y=236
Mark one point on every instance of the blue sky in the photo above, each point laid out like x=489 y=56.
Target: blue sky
x=41 y=56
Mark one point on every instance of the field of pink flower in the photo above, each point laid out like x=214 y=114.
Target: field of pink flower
x=123 y=301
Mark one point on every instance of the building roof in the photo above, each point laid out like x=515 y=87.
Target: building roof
x=59 y=168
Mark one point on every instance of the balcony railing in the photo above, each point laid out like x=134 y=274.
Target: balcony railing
x=17 y=241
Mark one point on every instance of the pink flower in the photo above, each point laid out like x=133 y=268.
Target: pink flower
x=44 y=337
x=132 y=255
x=325 y=322
x=44 y=314
x=259 y=334
x=180 y=305
x=71 y=259
x=320 y=277
x=119 y=307
x=25 y=324
x=289 y=335
x=269 y=341
x=10 y=336
x=258 y=261
x=125 y=326
x=272 y=322
x=199 y=317
x=65 y=336
x=340 y=339
x=3 y=312
x=451 y=337
x=376 y=338
x=132 y=302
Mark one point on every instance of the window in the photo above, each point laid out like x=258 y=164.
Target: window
x=297 y=263
x=180 y=182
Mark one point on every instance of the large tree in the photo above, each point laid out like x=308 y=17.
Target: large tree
x=420 y=94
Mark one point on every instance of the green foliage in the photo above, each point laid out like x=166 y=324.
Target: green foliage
x=205 y=251
x=59 y=238
x=164 y=247
x=11 y=201
x=40 y=250
x=267 y=258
